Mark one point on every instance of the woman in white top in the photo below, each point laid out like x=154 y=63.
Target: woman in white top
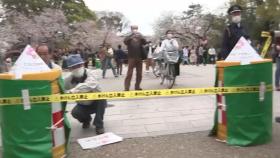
x=171 y=45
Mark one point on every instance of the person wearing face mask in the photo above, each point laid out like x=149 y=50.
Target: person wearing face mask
x=277 y=59
x=233 y=32
x=136 y=53
x=82 y=80
x=277 y=73
x=170 y=44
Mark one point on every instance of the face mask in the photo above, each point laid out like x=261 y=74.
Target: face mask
x=169 y=36
x=134 y=31
x=236 y=19
x=79 y=72
x=278 y=47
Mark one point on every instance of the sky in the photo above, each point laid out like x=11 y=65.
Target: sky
x=144 y=13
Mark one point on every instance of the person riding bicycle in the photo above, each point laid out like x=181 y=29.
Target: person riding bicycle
x=171 y=45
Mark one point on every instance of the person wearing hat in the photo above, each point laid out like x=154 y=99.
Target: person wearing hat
x=83 y=80
x=276 y=48
x=136 y=53
x=233 y=31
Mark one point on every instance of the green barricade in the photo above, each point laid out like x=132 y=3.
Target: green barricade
x=245 y=119
x=24 y=132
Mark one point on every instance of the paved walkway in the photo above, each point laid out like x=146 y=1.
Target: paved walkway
x=160 y=116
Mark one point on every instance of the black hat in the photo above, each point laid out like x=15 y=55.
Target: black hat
x=234 y=8
x=168 y=31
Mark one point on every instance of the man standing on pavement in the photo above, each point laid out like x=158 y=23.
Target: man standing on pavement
x=233 y=32
x=83 y=80
x=134 y=42
x=107 y=61
x=119 y=57
x=277 y=56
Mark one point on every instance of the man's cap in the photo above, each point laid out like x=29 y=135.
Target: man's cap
x=74 y=60
x=234 y=8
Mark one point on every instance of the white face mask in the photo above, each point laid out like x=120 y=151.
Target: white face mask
x=79 y=72
x=236 y=19
x=169 y=36
x=278 y=47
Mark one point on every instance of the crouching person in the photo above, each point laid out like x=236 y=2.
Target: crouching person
x=82 y=80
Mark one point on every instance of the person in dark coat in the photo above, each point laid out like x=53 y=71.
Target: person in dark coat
x=134 y=42
x=119 y=57
x=233 y=32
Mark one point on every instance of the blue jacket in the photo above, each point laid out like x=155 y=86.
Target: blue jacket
x=120 y=54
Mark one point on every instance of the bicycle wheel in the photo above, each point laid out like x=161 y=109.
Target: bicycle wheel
x=156 y=69
x=171 y=76
x=162 y=72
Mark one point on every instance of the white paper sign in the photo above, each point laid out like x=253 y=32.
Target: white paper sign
x=100 y=140
x=29 y=61
x=243 y=52
x=26 y=101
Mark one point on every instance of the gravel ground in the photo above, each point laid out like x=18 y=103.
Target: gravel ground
x=190 y=145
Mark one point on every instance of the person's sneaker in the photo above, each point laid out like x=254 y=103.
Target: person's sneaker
x=99 y=130
x=86 y=125
x=277 y=119
x=138 y=89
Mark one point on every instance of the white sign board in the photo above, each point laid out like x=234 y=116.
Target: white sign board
x=100 y=140
x=28 y=62
x=243 y=52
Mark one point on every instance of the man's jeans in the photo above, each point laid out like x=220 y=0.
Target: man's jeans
x=108 y=62
x=83 y=112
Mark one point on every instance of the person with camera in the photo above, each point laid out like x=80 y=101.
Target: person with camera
x=136 y=54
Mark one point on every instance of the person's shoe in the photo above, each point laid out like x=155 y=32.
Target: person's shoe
x=116 y=76
x=277 y=119
x=277 y=88
x=138 y=89
x=86 y=125
x=99 y=130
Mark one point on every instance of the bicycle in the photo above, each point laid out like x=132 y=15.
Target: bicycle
x=165 y=67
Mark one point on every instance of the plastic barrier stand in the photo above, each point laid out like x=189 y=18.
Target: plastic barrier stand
x=242 y=119
x=53 y=116
x=249 y=120
x=58 y=133
x=24 y=132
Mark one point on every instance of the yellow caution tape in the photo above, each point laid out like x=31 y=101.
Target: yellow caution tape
x=131 y=94
x=265 y=34
x=267 y=43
